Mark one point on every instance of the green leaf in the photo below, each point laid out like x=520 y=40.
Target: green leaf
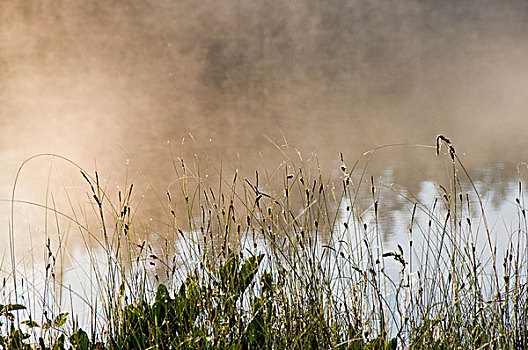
x=255 y=331
x=267 y=282
x=30 y=323
x=248 y=271
x=356 y=345
x=59 y=343
x=159 y=313
x=11 y=307
x=46 y=325
x=162 y=294
x=122 y=289
x=61 y=319
x=80 y=340
x=228 y=273
x=16 y=340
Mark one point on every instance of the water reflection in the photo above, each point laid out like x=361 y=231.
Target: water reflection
x=108 y=84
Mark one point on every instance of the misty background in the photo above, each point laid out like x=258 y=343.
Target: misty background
x=108 y=83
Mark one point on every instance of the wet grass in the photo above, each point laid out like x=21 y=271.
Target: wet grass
x=287 y=260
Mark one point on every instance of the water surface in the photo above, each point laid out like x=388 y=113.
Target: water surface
x=109 y=84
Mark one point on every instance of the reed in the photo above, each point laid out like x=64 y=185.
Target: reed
x=288 y=259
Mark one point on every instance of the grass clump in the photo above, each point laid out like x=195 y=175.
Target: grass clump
x=292 y=260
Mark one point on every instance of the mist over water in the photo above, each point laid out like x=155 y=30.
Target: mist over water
x=103 y=82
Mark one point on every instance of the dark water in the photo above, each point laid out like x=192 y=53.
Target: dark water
x=108 y=83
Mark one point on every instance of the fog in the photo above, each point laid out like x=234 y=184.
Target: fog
x=103 y=82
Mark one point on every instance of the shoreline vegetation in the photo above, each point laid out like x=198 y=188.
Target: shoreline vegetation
x=305 y=267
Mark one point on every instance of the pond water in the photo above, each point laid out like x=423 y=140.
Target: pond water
x=128 y=87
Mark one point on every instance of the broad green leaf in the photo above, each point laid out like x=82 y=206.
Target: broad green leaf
x=228 y=273
x=249 y=270
x=59 y=343
x=80 y=340
x=162 y=294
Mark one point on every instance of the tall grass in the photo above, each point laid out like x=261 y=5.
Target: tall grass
x=289 y=259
